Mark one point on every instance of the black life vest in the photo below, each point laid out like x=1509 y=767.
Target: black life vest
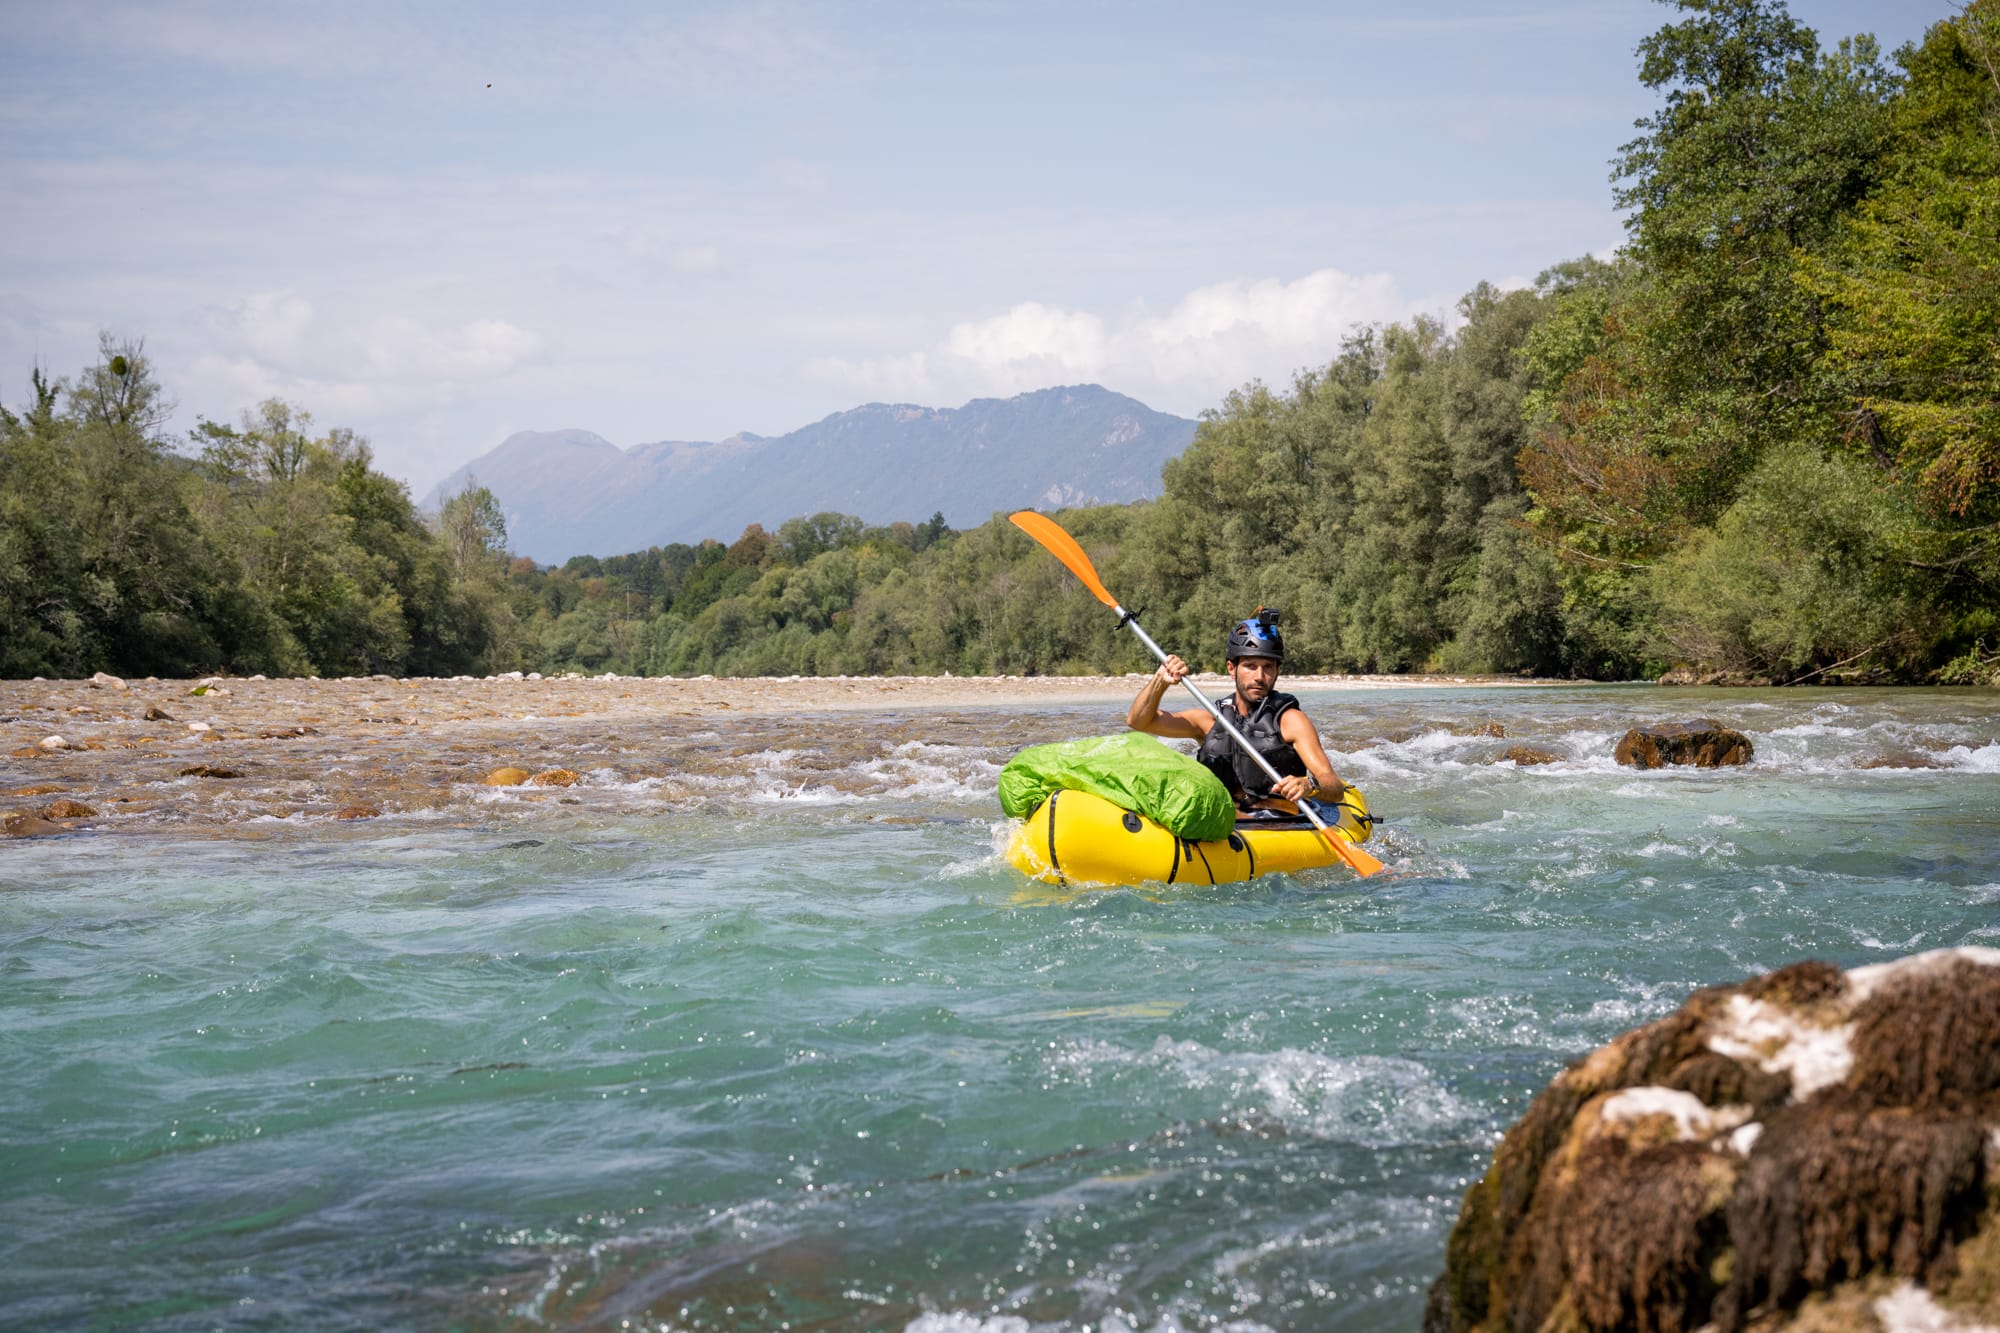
x=1223 y=757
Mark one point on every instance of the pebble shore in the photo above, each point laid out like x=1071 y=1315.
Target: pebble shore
x=221 y=754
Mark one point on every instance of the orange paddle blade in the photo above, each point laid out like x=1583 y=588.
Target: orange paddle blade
x=1360 y=862
x=1064 y=548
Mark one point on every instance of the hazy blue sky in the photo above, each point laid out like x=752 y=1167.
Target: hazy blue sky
x=441 y=223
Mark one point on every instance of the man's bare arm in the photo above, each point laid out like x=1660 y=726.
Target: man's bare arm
x=1145 y=714
x=1298 y=729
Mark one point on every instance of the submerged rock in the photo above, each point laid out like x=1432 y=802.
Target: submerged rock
x=22 y=824
x=1900 y=759
x=1805 y=1142
x=357 y=812
x=208 y=771
x=1526 y=756
x=67 y=810
x=1702 y=742
x=554 y=777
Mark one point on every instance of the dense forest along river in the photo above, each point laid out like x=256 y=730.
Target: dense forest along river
x=769 y=1037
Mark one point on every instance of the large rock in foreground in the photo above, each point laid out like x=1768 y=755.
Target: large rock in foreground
x=1810 y=1149
x=1703 y=742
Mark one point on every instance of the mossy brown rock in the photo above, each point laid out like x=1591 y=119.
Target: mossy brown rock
x=1806 y=1145
x=506 y=777
x=1527 y=756
x=208 y=771
x=1702 y=742
x=357 y=812
x=155 y=713
x=67 y=810
x=23 y=824
x=554 y=777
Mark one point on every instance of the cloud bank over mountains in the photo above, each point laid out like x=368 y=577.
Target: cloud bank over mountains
x=1212 y=340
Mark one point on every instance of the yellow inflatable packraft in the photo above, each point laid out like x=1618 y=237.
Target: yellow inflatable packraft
x=1075 y=837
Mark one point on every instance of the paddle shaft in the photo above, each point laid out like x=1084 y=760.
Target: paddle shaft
x=1064 y=548
x=1305 y=808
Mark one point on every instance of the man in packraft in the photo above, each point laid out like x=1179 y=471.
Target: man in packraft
x=1270 y=720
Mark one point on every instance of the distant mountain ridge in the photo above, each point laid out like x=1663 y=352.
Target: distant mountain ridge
x=570 y=492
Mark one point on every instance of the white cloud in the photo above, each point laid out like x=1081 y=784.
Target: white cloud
x=278 y=344
x=1214 y=339
x=1030 y=340
x=696 y=259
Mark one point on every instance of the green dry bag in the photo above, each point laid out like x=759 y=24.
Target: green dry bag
x=1131 y=770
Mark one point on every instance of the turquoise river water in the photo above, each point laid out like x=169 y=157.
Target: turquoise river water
x=758 y=1050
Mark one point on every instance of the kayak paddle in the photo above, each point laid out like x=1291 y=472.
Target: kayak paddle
x=1064 y=548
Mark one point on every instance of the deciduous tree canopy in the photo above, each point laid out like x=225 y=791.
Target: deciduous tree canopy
x=1764 y=439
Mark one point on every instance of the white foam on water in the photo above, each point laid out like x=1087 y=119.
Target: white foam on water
x=1982 y=759
x=803 y=794
x=1703 y=849
x=1869 y=941
x=610 y=779
x=1000 y=833
x=1815 y=729
x=1375 y=1100
x=1485 y=1022
x=1170 y=1323
x=1647 y=1001
x=959 y=1321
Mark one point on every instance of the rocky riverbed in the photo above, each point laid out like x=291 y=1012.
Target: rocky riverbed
x=226 y=755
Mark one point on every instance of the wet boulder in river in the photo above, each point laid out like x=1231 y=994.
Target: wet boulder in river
x=1527 y=756
x=1702 y=742
x=26 y=824
x=506 y=777
x=1810 y=1148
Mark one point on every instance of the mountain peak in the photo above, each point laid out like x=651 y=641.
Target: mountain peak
x=571 y=492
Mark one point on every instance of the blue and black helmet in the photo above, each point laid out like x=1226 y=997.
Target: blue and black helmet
x=1257 y=637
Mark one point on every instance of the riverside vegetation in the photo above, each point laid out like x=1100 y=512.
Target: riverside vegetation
x=1762 y=442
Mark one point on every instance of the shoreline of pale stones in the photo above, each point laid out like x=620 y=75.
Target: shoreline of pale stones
x=213 y=755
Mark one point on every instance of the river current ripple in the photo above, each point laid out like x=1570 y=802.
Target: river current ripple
x=752 y=1028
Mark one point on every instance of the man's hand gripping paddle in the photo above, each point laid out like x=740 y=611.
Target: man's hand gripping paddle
x=1064 y=548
